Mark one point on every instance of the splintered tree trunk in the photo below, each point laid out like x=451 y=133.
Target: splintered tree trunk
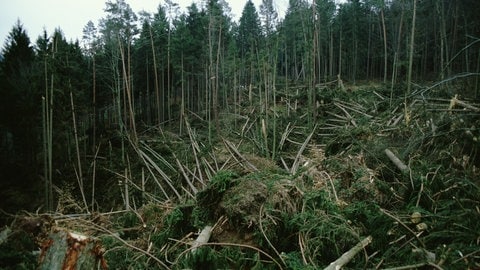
x=70 y=251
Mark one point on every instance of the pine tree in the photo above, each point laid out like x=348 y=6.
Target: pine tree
x=196 y=57
x=118 y=30
x=248 y=41
x=269 y=17
x=159 y=46
x=218 y=35
x=20 y=98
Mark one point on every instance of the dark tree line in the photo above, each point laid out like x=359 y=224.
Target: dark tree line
x=132 y=71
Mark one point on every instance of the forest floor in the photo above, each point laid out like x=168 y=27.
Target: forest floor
x=394 y=182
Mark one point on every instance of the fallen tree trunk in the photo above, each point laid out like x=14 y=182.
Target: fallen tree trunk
x=202 y=238
x=400 y=165
x=347 y=256
x=455 y=101
x=71 y=251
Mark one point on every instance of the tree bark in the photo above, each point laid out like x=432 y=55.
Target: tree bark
x=412 y=43
x=400 y=165
x=385 y=57
x=347 y=256
x=202 y=238
x=67 y=250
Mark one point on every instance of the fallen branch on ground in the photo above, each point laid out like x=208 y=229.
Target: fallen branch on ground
x=400 y=165
x=202 y=238
x=347 y=256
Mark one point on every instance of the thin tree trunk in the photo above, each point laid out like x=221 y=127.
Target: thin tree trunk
x=209 y=77
x=340 y=55
x=45 y=157
x=275 y=60
x=477 y=80
x=215 y=83
x=79 y=163
x=155 y=71
x=368 y=68
x=94 y=135
x=412 y=45
x=399 y=42
x=396 y=56
x=442 y=40
x=47 y=145
x=331 y=53
x=385 y=53
x=286 y=75
x=315 y=51
x=50 y=130
x=169 y=90
x=182 y=106
x=129 y=99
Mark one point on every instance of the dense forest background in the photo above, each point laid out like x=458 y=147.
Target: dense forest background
x=134 y=73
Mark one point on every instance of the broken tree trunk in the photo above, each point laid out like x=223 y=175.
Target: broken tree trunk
x=400 y=165
x=347 y=256
x=340 y=83
x=71 y=251
x=455 y=101
x=202 y=238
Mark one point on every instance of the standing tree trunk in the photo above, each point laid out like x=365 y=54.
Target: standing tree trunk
x=412 y=45
x=169 y=90
x=410 y=64
x=385 y=54
x=340 y=55
x=215 y=81
x=314 y=58
x=396 y=55
x=182 y=105
x=94 y=129
x=129 y=98
x=157 y=90
x=79 y=163
x=443 y=40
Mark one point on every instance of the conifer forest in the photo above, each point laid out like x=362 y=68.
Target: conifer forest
x=339 y=135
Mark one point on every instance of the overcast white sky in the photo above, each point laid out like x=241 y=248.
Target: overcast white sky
x=72 y=15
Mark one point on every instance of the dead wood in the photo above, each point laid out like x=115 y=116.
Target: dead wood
x=235 y=153
x=396 y=161
x=300 y=151
x=5 y=234
x=68 y=250
x=340 y=83
x=202 y=238
x=455 y=101
x=348 y=256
